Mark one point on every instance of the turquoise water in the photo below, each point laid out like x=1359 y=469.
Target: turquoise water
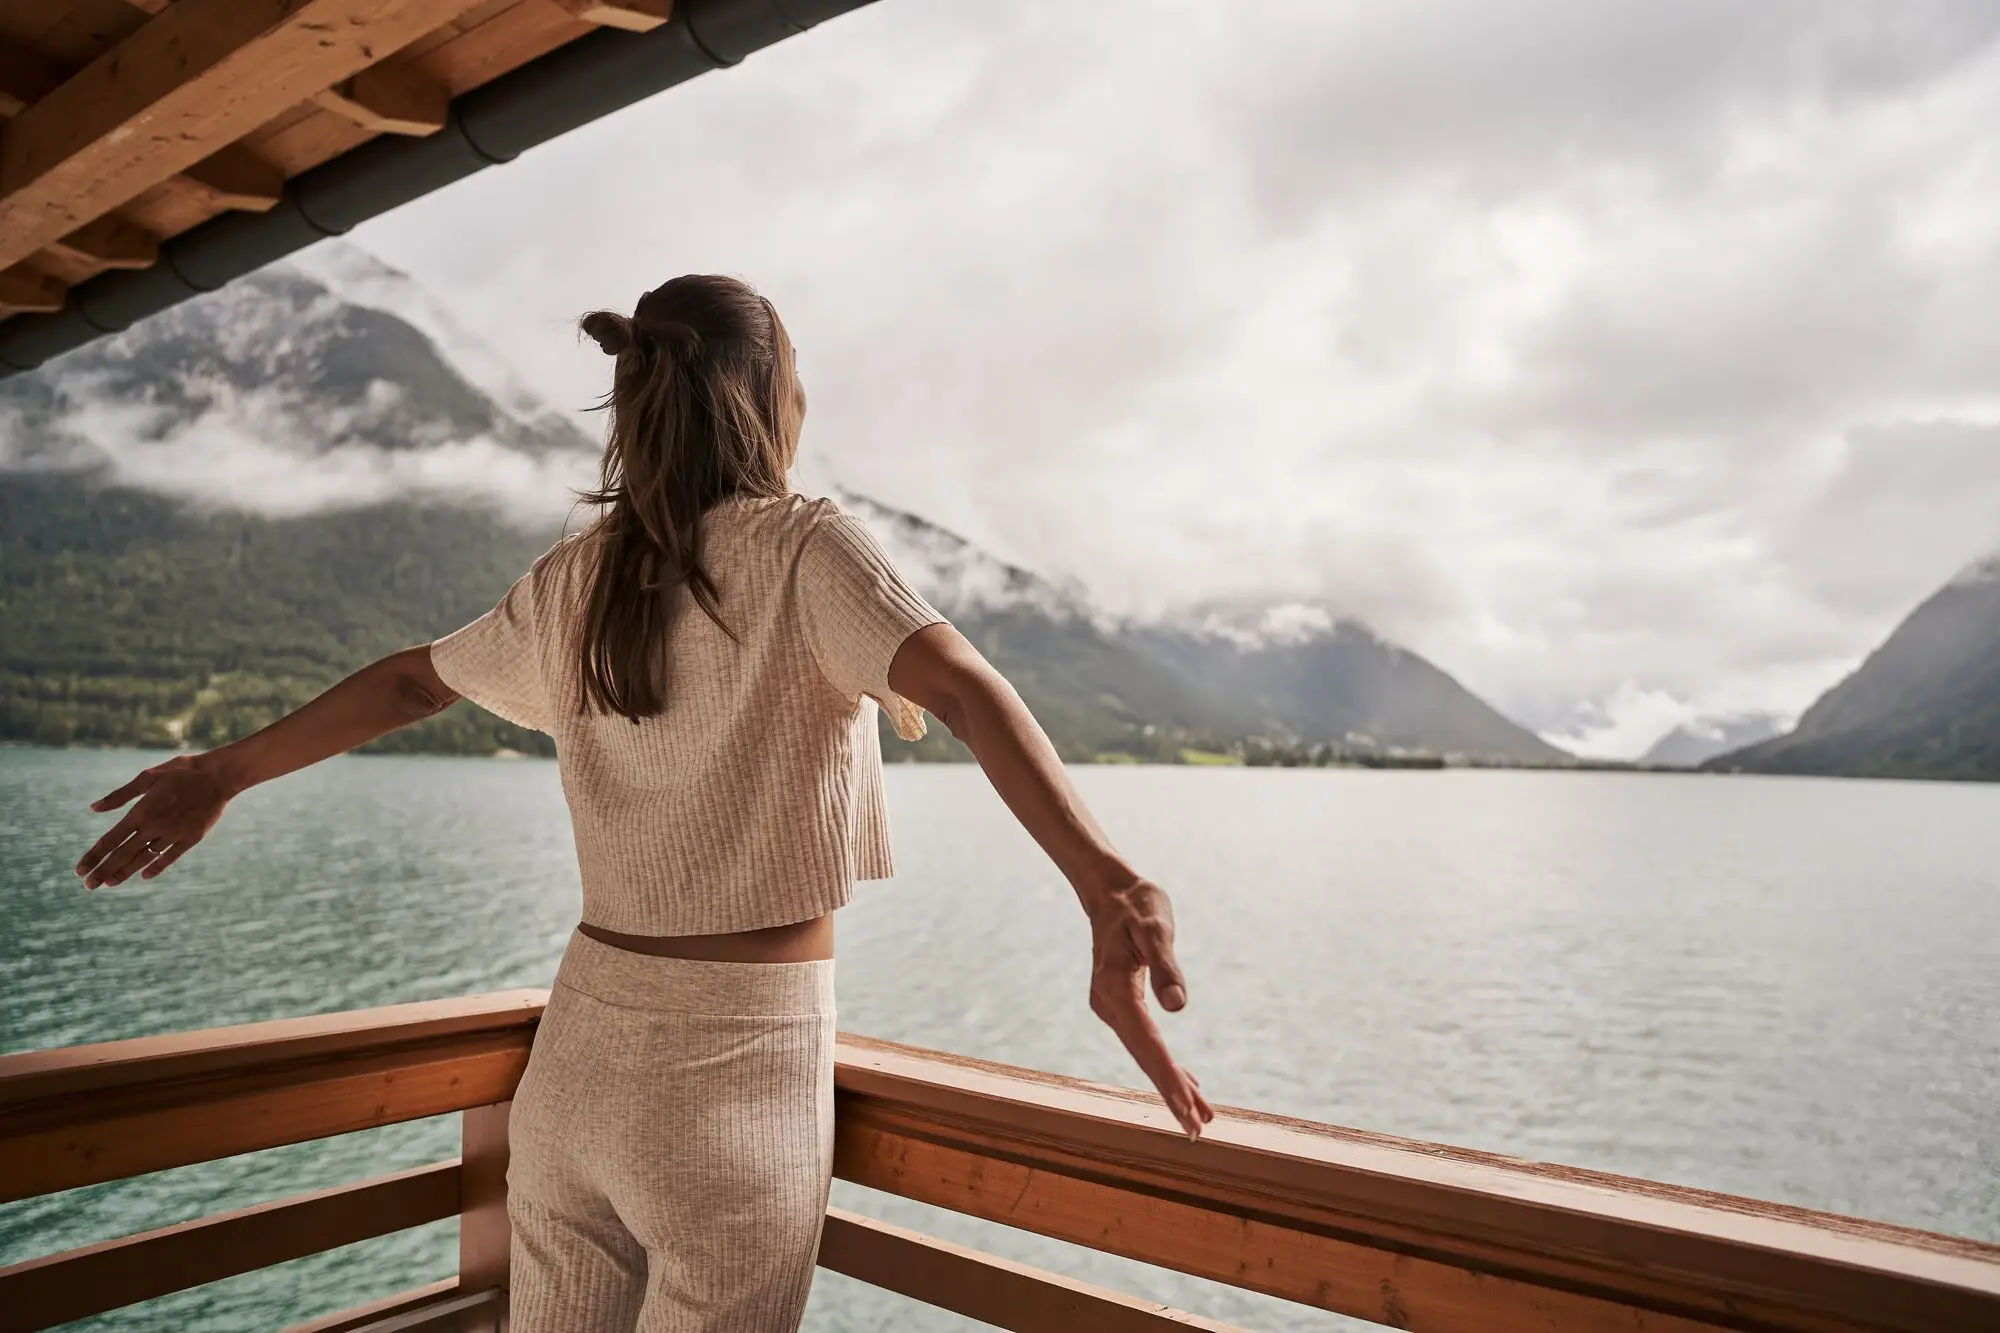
x=1777 y=987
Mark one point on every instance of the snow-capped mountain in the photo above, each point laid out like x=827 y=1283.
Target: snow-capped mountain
x=956 y=576
x=280 y=354
x=361 y=280
x=279 y=396
x=1696 y=742
x=334 y=392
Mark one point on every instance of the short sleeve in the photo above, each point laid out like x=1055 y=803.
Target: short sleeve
x=857 y=610
x=496 y=660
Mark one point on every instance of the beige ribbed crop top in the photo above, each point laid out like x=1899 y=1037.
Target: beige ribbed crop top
x=755 y=798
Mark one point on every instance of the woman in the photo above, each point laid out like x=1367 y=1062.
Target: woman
x=704 y=655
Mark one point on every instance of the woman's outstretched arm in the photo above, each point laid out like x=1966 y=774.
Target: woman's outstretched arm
x=180 y=800
x=1131 y=921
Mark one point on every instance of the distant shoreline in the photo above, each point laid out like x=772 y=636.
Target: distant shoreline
x=1404 y=764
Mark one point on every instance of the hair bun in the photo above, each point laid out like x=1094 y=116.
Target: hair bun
x=612 y=333
x=673 y=336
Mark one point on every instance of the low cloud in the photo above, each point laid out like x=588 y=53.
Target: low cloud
x=247 y=454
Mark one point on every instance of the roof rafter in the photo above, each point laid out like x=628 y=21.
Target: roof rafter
x=109 y=242
x=631 y=15
x=389 y=98
x=200 y=75
x=25 y=290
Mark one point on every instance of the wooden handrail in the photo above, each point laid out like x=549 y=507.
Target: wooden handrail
x=94 y=1113
x=149 y=1062
x=1407 y=1233
x=1411 y=1234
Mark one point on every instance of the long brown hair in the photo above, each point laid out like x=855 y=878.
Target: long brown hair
x=704 y=405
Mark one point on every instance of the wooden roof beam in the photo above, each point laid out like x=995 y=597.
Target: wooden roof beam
x=230 y=179
x=26 y=77
x=631 y=15
x=194 y=79
x=389 y=99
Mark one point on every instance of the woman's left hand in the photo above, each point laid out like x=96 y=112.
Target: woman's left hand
x=179 y=802
x=1131 y=939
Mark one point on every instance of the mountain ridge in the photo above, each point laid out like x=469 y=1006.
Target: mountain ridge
x=1693 y=743
x=332 y=395
x=1924 y=704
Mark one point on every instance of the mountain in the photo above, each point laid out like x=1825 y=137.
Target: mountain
x=1298 y=676
x=1926 y=704
x=279 y=356
x=1691 y=743
x=1094 y=690
x=1292 y=677
x=215 y=514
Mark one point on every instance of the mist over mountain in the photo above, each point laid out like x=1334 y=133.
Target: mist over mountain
x=1299 y=675
x=278 y=396
x=1925 y=704
x=1692 y=743
x=216 y=513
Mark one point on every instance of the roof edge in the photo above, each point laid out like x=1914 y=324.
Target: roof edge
x=571 y=86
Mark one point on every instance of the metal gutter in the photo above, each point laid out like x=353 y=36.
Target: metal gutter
x=571 y=86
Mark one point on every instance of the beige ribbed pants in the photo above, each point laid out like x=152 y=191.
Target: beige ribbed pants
x=672 y=1140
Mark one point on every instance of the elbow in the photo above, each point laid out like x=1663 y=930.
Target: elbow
x=415 y=698
x=975 y=695
x=950 y=712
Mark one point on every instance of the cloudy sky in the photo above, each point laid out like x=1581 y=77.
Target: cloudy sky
x=1634 y=361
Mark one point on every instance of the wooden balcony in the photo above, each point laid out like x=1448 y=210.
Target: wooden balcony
x=1406 y=1234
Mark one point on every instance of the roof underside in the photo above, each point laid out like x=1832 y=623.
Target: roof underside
x=151 y=149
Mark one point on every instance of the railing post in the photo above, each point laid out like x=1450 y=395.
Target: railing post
x=483 y=1233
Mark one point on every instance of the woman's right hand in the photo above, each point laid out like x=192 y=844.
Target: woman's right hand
x=1131 y=938
x=179 y=802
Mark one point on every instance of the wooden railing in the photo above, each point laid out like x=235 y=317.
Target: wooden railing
x=1407 y=1234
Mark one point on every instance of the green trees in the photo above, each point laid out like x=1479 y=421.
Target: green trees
x=131 y=619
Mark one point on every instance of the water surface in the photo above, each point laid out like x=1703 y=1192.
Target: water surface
x=1787 y=988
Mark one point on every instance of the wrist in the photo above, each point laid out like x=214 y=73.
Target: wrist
x=226 y=767
x=1103 y=880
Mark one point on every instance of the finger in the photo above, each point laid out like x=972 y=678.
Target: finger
x=1188 y=1108
x=164 y=858
x=1122 y=1007
x=1176 y=1086
x=1156 y=946
x=118 y=867
x=112 y=800
x=104 y=846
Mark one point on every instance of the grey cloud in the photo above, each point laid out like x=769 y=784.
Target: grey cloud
x=1574 y=343
x=1500 y=98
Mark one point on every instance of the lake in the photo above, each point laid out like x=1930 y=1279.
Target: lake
x=1787 y=988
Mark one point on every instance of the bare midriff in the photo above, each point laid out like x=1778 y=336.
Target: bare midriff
x=799 y=942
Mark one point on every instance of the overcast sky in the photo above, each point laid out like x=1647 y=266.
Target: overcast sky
x=1634 y=361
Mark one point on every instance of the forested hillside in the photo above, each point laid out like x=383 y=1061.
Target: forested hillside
x=129 y=618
